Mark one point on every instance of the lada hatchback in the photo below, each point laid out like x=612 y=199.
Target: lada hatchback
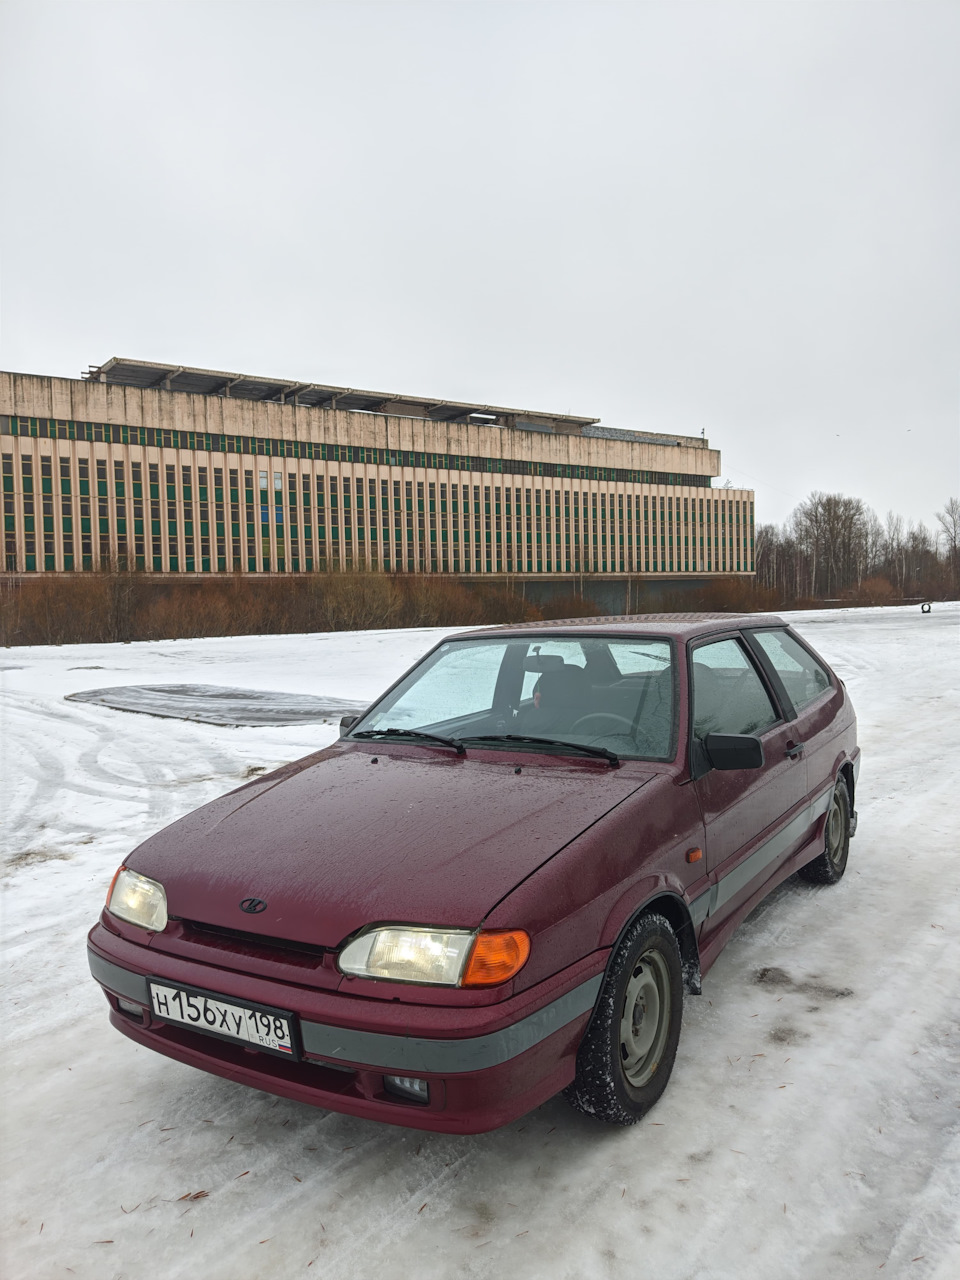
x=500 y=882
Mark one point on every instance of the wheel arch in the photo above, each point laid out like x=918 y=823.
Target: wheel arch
x=675 y=911
x=848 y=774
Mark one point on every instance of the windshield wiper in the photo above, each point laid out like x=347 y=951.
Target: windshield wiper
x=602 y=752
x=413 y=733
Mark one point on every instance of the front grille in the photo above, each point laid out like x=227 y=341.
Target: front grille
x=303 y=953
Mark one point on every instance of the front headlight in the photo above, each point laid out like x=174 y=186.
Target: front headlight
x=138 y=900
x=448 y=957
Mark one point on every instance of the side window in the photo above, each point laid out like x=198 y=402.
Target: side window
x=728 y=694
x=803 y=677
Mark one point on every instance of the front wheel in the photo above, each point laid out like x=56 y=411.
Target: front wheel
x=627 y=1053
x=829 y=866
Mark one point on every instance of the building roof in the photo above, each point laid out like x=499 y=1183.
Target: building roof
x=210 y=382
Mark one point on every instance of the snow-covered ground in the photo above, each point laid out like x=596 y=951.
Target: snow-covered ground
x=811 y=1128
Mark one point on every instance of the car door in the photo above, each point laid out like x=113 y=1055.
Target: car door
x=749 y=815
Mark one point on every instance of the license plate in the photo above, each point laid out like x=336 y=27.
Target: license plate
x=256 y=1025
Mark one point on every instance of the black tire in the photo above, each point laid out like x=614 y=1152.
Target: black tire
x=627 y=1053
x=829 y=866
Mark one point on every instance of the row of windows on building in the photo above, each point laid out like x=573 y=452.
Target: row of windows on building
x=309 y=450
x=172 y=517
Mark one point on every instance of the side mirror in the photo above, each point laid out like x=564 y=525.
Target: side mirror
x=347 y=722
x=734 y=750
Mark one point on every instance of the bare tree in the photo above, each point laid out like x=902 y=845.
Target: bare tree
x=949 y=521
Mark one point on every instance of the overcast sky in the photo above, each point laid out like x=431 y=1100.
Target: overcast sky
x=736 y=218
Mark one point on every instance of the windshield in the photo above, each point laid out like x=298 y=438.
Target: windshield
x=613 y=693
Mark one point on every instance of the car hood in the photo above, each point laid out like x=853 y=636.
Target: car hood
x=352 y=837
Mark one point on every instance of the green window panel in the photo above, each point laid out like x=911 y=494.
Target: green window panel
x=84 y=524
x=31 y=564
x=49 y=562
x=104 y=528
x=68 y=563
x=120 y=488
x=64 y=486
x=68 y=524
x=122 y=527
x=138 y=526
x=10 y=524
x=102 y=488
x=174 y=564
x=46 y=485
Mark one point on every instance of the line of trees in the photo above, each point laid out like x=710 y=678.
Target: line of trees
x=836 y=548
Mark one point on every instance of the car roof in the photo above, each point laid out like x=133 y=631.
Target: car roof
x=682 y=626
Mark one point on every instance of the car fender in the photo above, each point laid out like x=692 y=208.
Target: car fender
x=662 y=895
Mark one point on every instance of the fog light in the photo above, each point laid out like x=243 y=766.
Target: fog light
x=134 y=1010
x=407 y=1087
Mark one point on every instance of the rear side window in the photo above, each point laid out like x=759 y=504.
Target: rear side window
x=803 y=677
x=728 y=694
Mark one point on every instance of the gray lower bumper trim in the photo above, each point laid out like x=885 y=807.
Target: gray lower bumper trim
x=449 y=1057
x=121 y=981
x=402 y=1054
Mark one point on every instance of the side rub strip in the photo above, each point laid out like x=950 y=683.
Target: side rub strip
x=769 y=852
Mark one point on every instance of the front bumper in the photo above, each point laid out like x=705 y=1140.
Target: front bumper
x=485 y=1066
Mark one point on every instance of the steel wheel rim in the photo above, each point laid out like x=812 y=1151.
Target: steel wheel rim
x=835 y=831
x=645 y=1019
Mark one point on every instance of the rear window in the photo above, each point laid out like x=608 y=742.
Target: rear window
x=803 y=677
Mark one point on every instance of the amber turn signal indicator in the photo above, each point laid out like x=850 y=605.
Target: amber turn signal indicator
x=496 y=956
x=114 y=881
x=694 y=855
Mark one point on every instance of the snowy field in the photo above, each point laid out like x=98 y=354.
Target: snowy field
x=811 y=1128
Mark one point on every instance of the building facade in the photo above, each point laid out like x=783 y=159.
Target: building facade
x=190 y=471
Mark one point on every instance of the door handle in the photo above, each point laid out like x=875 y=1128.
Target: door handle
x=794 y=750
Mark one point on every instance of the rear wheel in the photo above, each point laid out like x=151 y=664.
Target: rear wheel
x=629 y=1047
x=830 y=865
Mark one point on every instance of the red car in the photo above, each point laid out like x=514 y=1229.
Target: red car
x=500 y=882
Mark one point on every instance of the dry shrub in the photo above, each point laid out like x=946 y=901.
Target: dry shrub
x=500 y=606
x=356 y=601
x=570 y=606
x=729 y=595
x=874 y=591
x=118 y=606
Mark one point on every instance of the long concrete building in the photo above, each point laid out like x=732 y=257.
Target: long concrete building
x=174 y=470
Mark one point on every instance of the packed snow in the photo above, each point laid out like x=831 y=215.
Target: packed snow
x=811 y=1128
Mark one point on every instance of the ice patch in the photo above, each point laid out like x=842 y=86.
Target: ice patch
x=215 y=704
